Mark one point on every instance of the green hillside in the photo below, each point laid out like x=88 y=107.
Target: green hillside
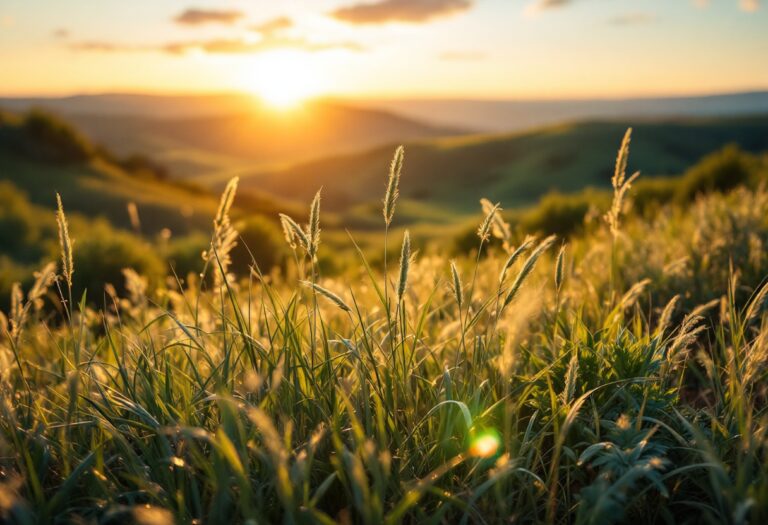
x=516 y=169
x=218 y=138
x=123 y=210
x=42 y=155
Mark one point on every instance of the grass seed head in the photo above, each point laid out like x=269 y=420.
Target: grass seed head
x=484 y=230
x=393 y=185
x=338 y=301
x=458 y=292
x=620 y=184
x=224 y=237
x=515 y=255
x=499 y=227
x=288 y=232
x=314 y=225
x=65 y=242
x=405 y=262
x=559 y=268
x=298 y=232
x=527 y=268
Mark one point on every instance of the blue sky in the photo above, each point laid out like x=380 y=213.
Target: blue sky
x=389 y=48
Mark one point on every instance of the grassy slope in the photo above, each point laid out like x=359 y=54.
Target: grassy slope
x=516 y=168
x=43 y=155
x=211 y=146
x=98 y=189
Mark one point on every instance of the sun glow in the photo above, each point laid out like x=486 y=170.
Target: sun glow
x=283 y=79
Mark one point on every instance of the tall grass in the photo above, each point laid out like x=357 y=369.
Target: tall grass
x=539 y=393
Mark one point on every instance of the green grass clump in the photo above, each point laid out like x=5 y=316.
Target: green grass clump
x=620 y=378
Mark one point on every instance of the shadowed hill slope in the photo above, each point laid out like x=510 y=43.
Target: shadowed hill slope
x=43 y=155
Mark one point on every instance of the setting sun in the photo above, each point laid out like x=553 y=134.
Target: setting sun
x=283 y=78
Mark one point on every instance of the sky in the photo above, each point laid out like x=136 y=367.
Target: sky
x=285 y=50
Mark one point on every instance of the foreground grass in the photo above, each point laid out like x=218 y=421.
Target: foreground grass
x=620 y=378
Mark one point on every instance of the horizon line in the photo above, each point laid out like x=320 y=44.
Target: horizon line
x=389 y=97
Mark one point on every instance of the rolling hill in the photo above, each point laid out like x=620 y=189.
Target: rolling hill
x=217 y=136
x=452 y=174
x=42 y=155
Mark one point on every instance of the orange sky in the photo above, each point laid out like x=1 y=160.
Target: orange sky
x=289 y=50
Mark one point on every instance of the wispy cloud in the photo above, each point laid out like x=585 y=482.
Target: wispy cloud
x=273 y=26
x=632 y=19
x=104 y=46
x=207 y=16
x=271 y=34
x=60 y=33
x=239 y=45
x=544 y=5
x=383 y=11
x=216 y=46
x=468 y=56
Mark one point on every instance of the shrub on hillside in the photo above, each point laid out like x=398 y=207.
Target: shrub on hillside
x=651 y=193
x=100 y=255
x=261 y=242
x=184 y=254
x=18 y=224
x=721 y=171
x=143 y=167
x=563 y=214
x=10 y=272
x=466 y=241
x=50 y=138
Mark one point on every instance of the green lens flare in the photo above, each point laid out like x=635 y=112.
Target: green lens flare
x=485 y=445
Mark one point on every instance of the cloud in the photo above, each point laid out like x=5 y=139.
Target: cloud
x=750 y=6
x=276 y=25
x=240 y=46
x=459 y=56
x=632 y=19
x=217 y=46
x=543 y=5
x=105 y=47
x=60 y=33
x=206 y=16
x=382 y=11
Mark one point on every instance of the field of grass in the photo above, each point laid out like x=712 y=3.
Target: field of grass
x=618 y=377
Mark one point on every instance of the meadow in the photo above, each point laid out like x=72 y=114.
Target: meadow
x=614 y=375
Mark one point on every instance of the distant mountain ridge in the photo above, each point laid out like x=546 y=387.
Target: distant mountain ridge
x=138 y=105
x=517 y=115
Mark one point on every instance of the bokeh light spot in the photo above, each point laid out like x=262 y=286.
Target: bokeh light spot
x=485 y=445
